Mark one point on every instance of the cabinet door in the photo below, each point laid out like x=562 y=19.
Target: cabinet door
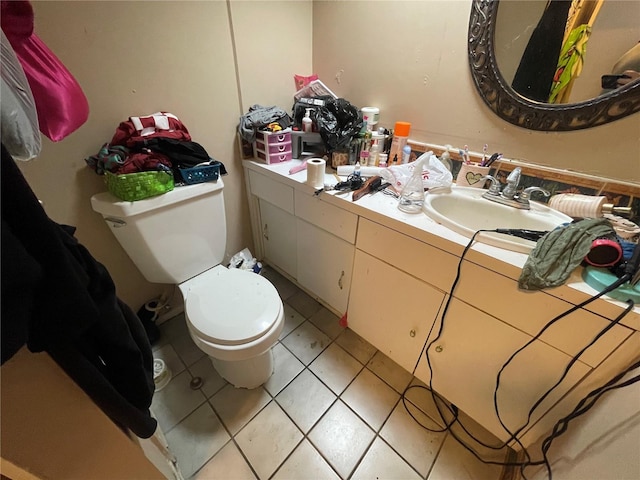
x=279 y=237
x=391 y=309
x=325 y=263
x=468 y=356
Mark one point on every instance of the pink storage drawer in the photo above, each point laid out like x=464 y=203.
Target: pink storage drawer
x=273 y=137
x=270 y=158
x=273 y=147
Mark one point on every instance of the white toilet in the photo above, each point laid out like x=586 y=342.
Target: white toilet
x=179 y=237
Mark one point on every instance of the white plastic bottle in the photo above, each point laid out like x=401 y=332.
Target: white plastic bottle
x=307 y=123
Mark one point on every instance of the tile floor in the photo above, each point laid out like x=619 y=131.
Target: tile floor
x=332 y=409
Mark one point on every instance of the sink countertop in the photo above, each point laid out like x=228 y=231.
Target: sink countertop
x=382 y=209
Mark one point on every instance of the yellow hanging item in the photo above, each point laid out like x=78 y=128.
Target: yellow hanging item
x=569 y=64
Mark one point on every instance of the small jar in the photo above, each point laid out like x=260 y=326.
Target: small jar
x=382 y=160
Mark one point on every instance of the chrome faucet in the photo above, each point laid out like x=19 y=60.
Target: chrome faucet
x=509 y=196
x=509 y=191
x=525 y=195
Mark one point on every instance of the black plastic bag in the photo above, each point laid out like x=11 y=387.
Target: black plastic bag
x=338 y=121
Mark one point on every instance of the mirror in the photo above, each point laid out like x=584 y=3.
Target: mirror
x=524 y=112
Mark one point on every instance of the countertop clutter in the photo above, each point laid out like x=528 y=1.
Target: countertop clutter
x=383 y=209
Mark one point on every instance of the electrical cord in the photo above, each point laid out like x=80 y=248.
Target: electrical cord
x=529 y=235
x=574 y=359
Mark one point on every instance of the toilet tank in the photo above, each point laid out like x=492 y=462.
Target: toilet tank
x=170 y=237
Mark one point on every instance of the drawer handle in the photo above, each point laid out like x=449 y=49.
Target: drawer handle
x=282 y=148
x=265 y=231
x=283 y=158
x=281 y=138
x=340 y=279
x=439 y=348
x=412 y=333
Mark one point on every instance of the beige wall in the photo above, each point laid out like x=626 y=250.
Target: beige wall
x=135 y=58
x=409 y=58
x=208 y=62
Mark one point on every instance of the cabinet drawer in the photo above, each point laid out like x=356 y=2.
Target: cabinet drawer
x=271 y=158
x=273 y=137
x=273 y=192
x=334 y=220
x=530 y=311
x=419 y=259
x=274 y=147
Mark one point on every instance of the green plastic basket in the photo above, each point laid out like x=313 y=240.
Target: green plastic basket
x=136 y=186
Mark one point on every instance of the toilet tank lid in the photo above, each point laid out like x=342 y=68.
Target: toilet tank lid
x=108 y=205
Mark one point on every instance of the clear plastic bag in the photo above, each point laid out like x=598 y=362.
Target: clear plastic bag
x=434 y=173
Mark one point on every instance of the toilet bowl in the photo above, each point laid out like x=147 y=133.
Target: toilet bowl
x=179 y=238
x=235 y=317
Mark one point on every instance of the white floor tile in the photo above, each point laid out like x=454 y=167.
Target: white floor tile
x=173 y=328
x=285 y=287
x=370 y=398
x=342 y=438
x=303 y=303
x=389 y=371
x=167 y=354
x=416 y=445
x=187 y=350
x=454 y=461
x=236 y=406
x=175 y=401
x=356 y=346
x=327 y=322
x=306 y=342
x=286 y=367
x=305 y=400
x=305 y=463
x=212 y=381
x=227 y=464
x=336 y=368
x=196 y=439
x=268 y=439
x=420 y=396
x=292 y=319
x=381 y=462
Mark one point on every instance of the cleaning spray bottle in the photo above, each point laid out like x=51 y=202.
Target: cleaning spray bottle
x=412 y=196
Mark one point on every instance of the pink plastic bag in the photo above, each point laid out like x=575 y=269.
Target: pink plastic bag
x=60 y=102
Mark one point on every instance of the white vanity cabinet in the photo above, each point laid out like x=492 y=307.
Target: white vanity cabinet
x=393 y=276
x=304 y=237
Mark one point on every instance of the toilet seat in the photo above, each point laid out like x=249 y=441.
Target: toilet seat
x=230 y=306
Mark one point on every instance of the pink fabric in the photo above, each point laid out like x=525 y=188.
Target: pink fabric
x=60 y=102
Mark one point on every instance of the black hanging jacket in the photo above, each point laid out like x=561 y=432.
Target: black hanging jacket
x=57 y=298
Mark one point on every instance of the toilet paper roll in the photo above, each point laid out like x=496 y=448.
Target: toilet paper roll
x=315 y=172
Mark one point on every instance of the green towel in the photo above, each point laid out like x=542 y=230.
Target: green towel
x=560 y=251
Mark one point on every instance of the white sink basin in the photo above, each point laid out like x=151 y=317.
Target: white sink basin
x=464 y=211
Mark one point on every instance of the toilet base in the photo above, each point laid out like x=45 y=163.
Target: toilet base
x=249 y=373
